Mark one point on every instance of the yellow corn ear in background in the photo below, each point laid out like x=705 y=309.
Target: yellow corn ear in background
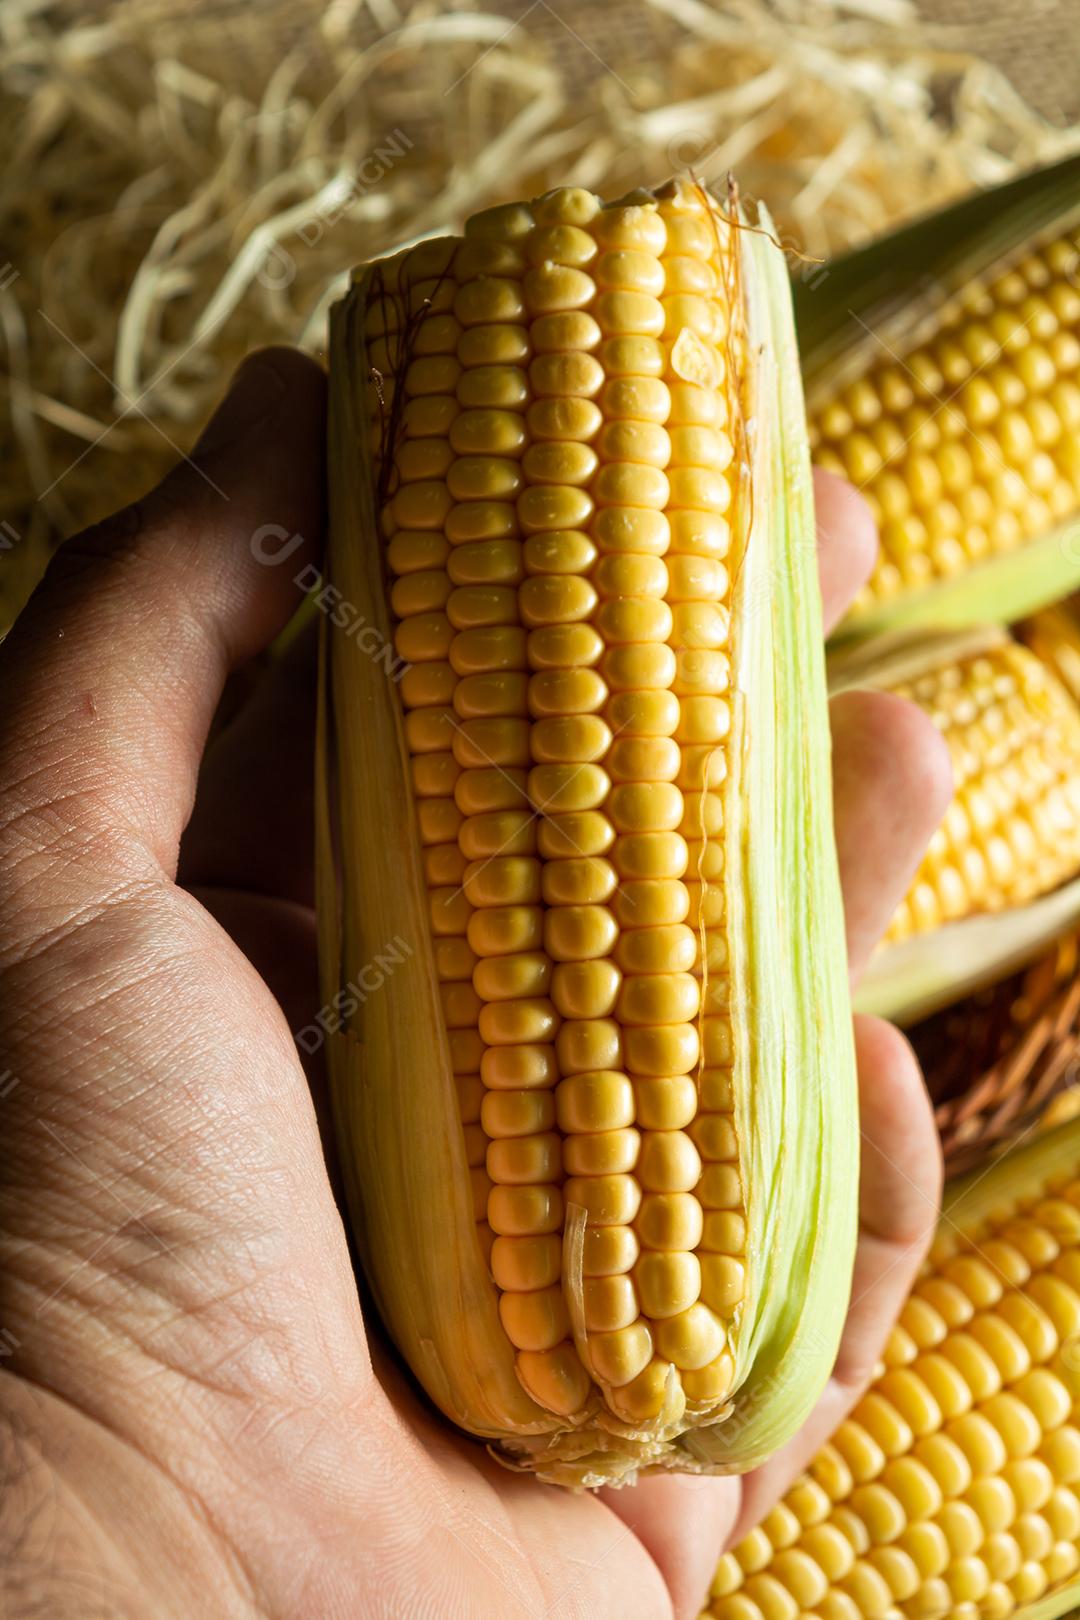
x=942 y=367
x=570 y=481
x=1054 y=636
x=1012 y=831
x=1001 y=875
x=952 y=1492
x=967 y=446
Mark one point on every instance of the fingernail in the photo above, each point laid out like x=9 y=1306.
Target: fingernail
x=253 y=396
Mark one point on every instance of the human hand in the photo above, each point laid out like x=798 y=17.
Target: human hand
x=194 y=1421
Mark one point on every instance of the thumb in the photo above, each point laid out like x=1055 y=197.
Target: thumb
x=163 y=1170
x=116 y=666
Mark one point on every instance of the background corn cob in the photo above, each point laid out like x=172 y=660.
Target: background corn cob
x=968 y=445
x=1054 y=635
x=1002 y=869
x=553 y=412
x=953 y=1490
x=943 y=378
x=1013 y=829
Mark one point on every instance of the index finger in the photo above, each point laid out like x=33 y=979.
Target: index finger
x=847 y=544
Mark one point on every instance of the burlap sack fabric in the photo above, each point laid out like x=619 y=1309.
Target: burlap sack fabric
x=1036 y=42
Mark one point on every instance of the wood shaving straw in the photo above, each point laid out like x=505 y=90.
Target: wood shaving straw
x=186 y=180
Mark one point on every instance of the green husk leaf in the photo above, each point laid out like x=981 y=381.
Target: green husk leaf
x=1016 y=1173
x=1005 y=587
x=901 y=656
x=1054 y=1607
x=796 y=1107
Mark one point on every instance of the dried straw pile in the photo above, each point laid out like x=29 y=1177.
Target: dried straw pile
x=185 y=180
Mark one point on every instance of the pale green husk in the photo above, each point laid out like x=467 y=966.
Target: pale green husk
x=394 y=1098
x=797 y=1106
x=1054 y=1607
x=1016 y=1173
x=1010 y=586
x=918 y=976
x=890 y=296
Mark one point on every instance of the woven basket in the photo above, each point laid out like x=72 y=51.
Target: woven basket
x=1006 y=1060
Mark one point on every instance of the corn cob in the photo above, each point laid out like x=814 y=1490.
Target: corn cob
x=1012 y=831
x=948 y=390
x=968 y=446
x=579 y=429
x=1010 y=840
x=952 y=1492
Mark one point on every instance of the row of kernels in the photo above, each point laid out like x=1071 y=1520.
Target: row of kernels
x=554 y=1374
x=517 y=1022
x=421 y=592
x=601 y=1149
x=631 y=534
x=695 y=587
x=599 y=1161
x=722 y=1253
x=645 y=765
x=570 y=735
